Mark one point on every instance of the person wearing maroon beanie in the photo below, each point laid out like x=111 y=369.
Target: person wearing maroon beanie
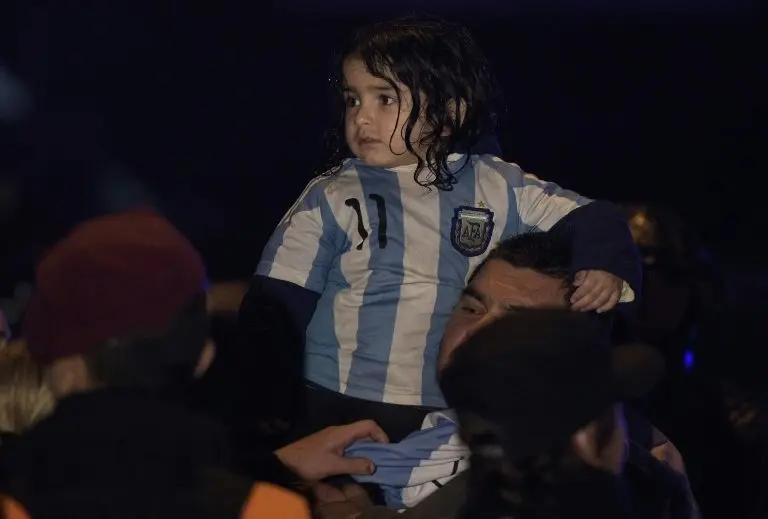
x=120 y=302
x=118 y=321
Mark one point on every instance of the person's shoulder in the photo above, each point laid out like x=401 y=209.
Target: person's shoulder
x=267 y=500
x=495 y=167
x=332 y=182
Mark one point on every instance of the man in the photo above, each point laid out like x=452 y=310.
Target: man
x=118 y=320
x=555 y=444
x=526 y=271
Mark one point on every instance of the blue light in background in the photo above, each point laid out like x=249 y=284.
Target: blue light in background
x=688 y=360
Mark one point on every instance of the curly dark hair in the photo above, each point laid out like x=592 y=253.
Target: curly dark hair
x=440 y=60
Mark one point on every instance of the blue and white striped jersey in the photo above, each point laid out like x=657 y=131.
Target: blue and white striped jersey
x=414 y=468
x=390 y=259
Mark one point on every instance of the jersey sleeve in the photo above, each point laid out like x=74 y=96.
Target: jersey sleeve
x=540 y=204
x=599 y=233
x=305 y=243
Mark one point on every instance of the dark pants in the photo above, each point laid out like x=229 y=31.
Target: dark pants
x=325 y=408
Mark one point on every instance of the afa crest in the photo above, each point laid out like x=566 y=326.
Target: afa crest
x=471 y=230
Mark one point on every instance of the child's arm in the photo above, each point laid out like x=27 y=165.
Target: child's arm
x=305 y=243
x=288 y=281
x=601 y=242
x=295 y=263
x=599 y=233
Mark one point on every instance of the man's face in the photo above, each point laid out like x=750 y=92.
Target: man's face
x=498 y=289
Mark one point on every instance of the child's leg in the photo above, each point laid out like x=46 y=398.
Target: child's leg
x=325 y=408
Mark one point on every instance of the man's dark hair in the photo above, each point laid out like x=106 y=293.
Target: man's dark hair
x=545 y=252
x=152 y=360
x=440 y=60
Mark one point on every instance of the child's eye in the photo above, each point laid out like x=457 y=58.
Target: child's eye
x=388 y=100
x=351 y=102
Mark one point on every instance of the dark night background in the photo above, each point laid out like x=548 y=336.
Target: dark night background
x=217 y=114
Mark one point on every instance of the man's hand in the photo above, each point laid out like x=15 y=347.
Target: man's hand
x=322 y=454
x=596 y=290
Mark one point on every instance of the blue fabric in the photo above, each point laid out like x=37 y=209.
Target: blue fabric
x=410 y=470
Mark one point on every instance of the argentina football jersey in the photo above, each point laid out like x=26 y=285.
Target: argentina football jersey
x=390 y=259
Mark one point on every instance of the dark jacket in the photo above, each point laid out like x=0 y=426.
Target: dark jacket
x=648 y=490
x=585 y=493
x=124 y=454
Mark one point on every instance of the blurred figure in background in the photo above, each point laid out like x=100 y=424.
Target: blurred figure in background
x=712 y=333
x=555 y=445
x=680 y=284
x=24 y=396
x=119 y=322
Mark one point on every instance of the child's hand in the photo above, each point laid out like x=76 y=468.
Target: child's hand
x=596 y=290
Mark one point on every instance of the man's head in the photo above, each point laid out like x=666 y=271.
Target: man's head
x=545 y=378
x=120 y=302
x=526 y=271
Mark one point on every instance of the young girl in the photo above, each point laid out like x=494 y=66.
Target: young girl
x=374 y=254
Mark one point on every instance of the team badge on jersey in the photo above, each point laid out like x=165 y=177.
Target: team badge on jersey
x=471 y=230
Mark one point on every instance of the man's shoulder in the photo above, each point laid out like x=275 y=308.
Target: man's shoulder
x=493 y=168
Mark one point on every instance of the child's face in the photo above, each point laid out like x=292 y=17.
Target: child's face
x=375 y=117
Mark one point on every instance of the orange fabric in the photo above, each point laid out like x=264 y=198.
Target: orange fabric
x=11 y=509
x=268 y=501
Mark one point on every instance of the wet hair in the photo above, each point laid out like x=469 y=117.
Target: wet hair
x=524 y=488
x=440 y=60
x=163 y=360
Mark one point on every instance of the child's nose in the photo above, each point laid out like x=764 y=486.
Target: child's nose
x=364 y=115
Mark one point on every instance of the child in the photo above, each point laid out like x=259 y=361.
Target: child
x=373 y=256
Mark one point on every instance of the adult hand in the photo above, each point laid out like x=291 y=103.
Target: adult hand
x=322 y=454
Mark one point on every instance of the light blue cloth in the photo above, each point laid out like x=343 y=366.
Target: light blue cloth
x=424 y=461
